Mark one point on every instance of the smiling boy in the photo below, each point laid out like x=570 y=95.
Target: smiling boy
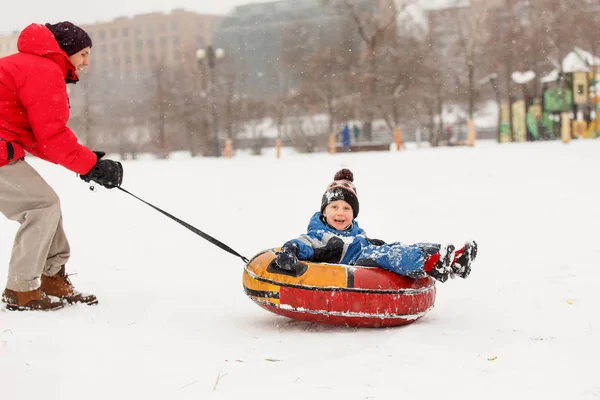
x=334 y=236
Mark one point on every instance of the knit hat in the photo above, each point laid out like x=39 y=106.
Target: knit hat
x=341 y=188
x=71 y=38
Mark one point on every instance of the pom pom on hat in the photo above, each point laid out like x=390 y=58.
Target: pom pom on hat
x=344 y=174
x=341 y=188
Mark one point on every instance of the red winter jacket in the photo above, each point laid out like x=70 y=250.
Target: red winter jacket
x=34 y=107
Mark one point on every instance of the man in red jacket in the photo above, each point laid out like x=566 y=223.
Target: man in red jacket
x=34 y=109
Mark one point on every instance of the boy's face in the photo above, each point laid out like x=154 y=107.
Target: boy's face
x=338 y=214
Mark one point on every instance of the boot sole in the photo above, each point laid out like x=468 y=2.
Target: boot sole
x=16 y=307
x=77 y=301
x=88 y=303
x=470 y=255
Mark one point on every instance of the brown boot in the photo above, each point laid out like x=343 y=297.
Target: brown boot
x=60 y=286
x=30 y=300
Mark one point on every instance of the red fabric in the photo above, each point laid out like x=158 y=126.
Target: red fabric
x=458 y=253
x=34 y=106
x=434 y=258
x=431 y=261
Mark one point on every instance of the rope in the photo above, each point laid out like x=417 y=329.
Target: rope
x=191 y=228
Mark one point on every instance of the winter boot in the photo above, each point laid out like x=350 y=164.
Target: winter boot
x=30 y=300
x=60 y=286
x=438 y=265
x=464 y=258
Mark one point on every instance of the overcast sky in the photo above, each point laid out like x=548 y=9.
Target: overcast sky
x=17 y=14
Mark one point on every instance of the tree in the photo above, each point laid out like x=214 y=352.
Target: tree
x=404 y=74
x=255 y=111
x=86 y=118
x=161 y=101
x=372 y=26
x=471 y=30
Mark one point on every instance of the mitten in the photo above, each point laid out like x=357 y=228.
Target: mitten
x=107 y=173
x=331 y=252
x=287 y=257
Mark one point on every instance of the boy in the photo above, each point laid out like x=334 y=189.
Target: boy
x=334 y=236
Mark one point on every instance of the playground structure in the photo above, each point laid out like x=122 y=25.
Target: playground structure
x=568 y=109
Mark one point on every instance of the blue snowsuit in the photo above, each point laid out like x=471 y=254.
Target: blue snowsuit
x=396 y=257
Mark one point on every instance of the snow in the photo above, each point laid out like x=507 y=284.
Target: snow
x=522 y=77
x=442 y=4
x=579 y=60
x=552 y=77
x=174 y=323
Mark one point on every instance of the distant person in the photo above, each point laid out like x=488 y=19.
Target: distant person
x=356 y=131
x=346 y=137
x=449 y=134
x=333 y=236
x=34 y=109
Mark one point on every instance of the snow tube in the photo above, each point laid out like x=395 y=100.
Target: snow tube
x=337 y=294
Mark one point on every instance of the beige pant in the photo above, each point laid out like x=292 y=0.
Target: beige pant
x=40 y=244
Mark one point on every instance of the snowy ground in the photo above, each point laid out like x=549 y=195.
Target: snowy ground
x=174 y=323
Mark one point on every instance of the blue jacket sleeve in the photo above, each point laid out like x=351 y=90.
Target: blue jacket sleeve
x=306 y=251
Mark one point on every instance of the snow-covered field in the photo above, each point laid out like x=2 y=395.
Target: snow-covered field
x=174 y=323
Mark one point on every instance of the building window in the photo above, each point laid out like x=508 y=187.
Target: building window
x=125 y=32
x=102 y=35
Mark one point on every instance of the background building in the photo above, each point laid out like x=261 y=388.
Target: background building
x=254 y=34
x=130 y=47
x=8 y=44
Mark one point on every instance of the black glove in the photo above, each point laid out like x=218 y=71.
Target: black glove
x=107 y=173
x=376 y=242
x=331 y=253
x=287 y=257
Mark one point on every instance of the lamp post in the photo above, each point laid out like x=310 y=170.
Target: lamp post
x=210 y=56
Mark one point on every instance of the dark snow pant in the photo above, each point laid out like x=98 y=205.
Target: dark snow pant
x=40 y=244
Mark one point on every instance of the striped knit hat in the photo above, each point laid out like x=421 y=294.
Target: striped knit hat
x=341 y=188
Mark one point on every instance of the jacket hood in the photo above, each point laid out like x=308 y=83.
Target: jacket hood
x=36 y=39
